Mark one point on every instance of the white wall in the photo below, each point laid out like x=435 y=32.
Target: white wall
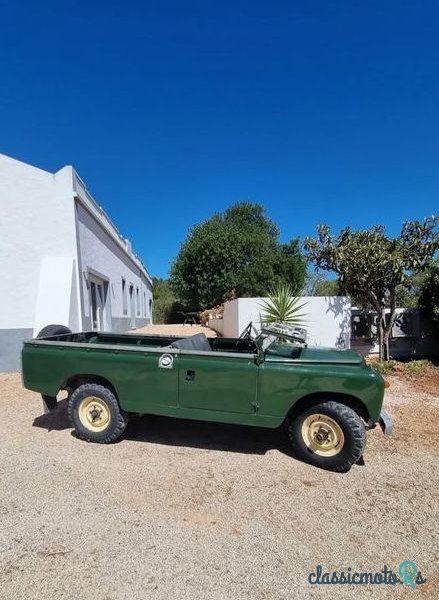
x=231 y=317
x=327 y=319
x=41 y=270
x=103 y=257
x=36 y=223
x=53 y=302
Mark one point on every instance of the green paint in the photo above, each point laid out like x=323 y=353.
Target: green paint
x=235 y=383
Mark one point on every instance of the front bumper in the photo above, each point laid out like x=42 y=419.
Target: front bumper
x=386 y=423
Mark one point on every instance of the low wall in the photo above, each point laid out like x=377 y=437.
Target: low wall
x=217 y=325
x=411 y=335
x=401 y=348
x=11 y=343
x=327 y=319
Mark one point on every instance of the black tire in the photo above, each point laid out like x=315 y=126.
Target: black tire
x=111 y=421
x=51 y=330
x=306 y=446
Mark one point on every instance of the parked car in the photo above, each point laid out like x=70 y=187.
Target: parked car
x=324 y=398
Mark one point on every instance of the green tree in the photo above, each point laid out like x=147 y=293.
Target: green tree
x=429 y=295
x=372 y=266
x=318 y=284
x=328 y=287
x=408 y=296
x=234 y=252
x=164 y=300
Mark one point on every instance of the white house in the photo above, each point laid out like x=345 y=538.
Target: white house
x=62 y=260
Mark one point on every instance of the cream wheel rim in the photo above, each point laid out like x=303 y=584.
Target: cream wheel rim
x=322 y=435
x=94 y=413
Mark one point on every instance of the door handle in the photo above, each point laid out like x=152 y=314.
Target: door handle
x=190 y=375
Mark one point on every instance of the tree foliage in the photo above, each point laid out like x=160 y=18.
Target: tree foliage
x=165 y=303
x=328 y=287
x=407 y=296
x=429 y=295
x=317 y=284
x=235 y=252
x=372 y=266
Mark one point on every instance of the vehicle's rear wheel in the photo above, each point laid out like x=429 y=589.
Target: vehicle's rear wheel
x=50 y=402
x=328 y=435
x=95 y=414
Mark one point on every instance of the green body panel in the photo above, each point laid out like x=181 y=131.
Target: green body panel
x=134 y=375
x=281 y=385
x=229 y=384
x=226 y=384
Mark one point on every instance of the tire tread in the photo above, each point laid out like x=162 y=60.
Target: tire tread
x=50 y=330
x=350 y=420
x=118 y=419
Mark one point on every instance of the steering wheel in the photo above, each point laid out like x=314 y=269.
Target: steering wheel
x=249 y=333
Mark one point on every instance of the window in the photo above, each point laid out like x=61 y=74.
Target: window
x=124 y=297
x=144 y=304
x=93 y=304
x=131 y=289
x=138 y=301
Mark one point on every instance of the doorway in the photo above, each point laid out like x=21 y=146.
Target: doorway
x=98 y=304
x=132 y=307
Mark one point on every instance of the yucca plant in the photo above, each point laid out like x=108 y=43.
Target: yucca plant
x=282 y=306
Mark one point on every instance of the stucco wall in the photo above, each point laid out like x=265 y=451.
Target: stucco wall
x=327 y=319
x=42 y=271
x=101 y=256
x=11 y=342
x=36 y=222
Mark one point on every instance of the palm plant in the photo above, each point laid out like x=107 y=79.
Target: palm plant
x=282 y=306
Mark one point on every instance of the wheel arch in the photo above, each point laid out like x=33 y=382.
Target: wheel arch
x=75 y=381
x=316 y=398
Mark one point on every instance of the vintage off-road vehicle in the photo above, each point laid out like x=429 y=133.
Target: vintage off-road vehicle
x=325 y=398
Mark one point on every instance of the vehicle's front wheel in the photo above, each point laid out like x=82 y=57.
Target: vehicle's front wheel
x=95 y=414
x=328 y=435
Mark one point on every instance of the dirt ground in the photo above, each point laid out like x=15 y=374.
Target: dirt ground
x=182 y=330
x=428 y=381
x=181 y=510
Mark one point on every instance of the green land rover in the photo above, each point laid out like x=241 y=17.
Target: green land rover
x=324 y=398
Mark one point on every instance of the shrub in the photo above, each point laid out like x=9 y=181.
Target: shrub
x=412 y=368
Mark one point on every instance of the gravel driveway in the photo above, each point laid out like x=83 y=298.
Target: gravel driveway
x=182 y=510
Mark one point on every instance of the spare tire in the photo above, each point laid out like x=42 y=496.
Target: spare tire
x=50 y=330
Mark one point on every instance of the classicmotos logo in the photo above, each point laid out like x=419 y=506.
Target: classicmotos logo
x=406 y=574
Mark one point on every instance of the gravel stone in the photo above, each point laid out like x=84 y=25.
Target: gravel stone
x=186 y=510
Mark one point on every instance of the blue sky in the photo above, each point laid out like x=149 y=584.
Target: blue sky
x=170 y=111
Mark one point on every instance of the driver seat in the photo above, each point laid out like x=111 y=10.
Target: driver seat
x=198 y=342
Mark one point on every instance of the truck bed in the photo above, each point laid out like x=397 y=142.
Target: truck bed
x=123 y=340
